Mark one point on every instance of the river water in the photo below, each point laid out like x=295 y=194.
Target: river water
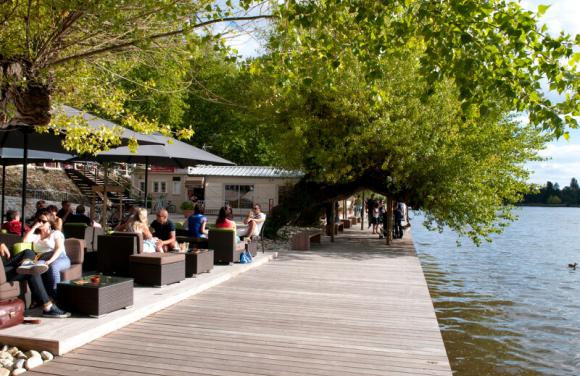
x=511 y=307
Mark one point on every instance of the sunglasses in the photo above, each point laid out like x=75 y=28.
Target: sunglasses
x=42 y=221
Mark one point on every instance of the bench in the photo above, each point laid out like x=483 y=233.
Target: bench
x=337 y=227
x=302 y=240
x=347 y=223
x=354 y=220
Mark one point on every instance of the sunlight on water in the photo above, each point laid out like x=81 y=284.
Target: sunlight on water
x=511 y=307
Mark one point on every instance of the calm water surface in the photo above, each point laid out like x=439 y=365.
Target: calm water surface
x=511 y=307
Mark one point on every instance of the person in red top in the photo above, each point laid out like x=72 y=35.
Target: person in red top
x=13 y=224
x=223 y=220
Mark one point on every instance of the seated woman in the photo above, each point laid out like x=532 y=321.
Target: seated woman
x=223 y=220
x=138 y=225
x=22 y=268
x=13 y=224
x=48 y=243
x=196 y=222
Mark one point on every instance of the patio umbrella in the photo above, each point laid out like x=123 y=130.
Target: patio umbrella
x=24 y=137
x=176 y=154
x=10 y=156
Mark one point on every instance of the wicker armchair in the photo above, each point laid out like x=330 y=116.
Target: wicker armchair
x=223 y=242
x=114 y=251
x=90 y=236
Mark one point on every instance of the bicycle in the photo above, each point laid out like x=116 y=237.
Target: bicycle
x=170 y=207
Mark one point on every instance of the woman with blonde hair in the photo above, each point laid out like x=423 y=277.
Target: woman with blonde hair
x=138 y=224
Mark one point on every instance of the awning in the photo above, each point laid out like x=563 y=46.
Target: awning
x=194 y=182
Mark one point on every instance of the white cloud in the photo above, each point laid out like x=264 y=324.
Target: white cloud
x=563 y=165
x=562 y=15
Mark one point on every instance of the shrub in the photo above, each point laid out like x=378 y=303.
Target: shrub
x=186 y=205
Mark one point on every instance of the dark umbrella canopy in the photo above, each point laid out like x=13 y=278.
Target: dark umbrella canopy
x=11 y=156
x=176 y=154
x=24 y=137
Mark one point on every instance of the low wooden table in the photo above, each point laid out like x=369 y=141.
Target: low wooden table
x=301 y=241
x=354 y=220
x=197 y=262
x=95 y=299
x=347 y=223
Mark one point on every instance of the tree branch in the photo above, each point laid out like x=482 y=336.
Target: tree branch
x=153 y=37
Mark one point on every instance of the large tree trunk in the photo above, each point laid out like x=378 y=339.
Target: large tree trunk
x=305 y=204
x=24 y=93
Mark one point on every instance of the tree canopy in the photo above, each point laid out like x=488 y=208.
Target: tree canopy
x=70 y=51
x=459 y=166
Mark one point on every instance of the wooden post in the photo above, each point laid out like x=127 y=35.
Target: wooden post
x=389 y=224
x=332 y=214
x=93 y=209
x=362 y=212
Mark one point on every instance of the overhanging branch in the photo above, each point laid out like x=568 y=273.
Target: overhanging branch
x=153 y=37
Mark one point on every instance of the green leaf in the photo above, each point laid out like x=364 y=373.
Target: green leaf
x=542 y=9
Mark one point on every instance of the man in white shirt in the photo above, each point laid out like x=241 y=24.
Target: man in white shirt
x=255 y=221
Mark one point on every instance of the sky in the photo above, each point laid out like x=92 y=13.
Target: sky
x=564 y=162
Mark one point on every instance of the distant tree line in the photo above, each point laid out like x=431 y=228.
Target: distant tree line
x=552 y=194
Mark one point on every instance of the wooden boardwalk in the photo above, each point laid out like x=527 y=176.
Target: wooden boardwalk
x=350 y=308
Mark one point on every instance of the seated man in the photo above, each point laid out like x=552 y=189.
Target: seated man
x=132 y=211
x=65 y=211
x=79 y=217
x=255 y=221
x=20 y=268
x=164 y=232
x=13 y=224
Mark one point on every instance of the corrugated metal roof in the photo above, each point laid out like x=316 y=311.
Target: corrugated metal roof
x=243 y=171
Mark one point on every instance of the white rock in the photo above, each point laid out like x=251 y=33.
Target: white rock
x=4 y=372
x=33 y=362
x=46 y=356
x=5 y=355
x=7 y=364
x=19 y=363
x=18 y=371
x=13 y=351
x=20 y=355
x=32 y=353
x=5 y=348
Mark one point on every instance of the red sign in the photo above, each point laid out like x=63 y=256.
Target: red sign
x=162 y=169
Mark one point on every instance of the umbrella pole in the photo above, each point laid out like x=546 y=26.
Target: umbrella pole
x=106 y=181
x=3 y=187
x=146 y=181
x=24 y=177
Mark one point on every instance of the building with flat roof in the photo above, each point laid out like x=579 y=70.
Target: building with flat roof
x=242 y=186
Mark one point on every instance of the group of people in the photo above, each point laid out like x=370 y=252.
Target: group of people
x=377 y=212
x=196 y=223
x=41 y=265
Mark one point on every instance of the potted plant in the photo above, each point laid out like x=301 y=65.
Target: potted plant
x=187 y=207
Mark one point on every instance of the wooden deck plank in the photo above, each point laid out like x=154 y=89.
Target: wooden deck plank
x=354 y=307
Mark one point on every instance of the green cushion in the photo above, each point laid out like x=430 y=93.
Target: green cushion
x=19 y=247
x=76 y=224
x=223 y=229
x=4 y=231
x=178 y=225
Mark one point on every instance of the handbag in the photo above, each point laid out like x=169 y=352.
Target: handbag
x=11 y=313
x=246 y=257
